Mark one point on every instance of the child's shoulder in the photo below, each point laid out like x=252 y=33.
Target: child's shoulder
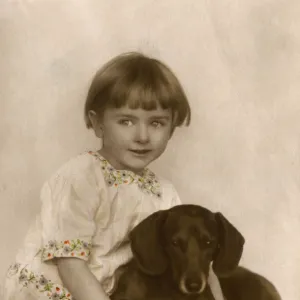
x=169 y=192
x=81 y=165
x=163 y=180
x=165 y=183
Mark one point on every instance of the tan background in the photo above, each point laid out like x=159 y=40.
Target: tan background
x=239 y=62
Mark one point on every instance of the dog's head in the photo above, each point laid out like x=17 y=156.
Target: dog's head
x=184 y=241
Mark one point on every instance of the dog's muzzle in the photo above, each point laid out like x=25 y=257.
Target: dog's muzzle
x=189 y=285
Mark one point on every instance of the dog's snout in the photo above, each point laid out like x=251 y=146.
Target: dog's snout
x=193 y=285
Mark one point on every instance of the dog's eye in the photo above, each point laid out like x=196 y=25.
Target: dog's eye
x=175 y=243
x=208 y=242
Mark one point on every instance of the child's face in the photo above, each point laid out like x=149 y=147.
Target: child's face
x=133 y=138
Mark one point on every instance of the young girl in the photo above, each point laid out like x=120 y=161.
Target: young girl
x=93 y=201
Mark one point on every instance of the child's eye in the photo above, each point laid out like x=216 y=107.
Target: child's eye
x=157 y=124
x=125 y=122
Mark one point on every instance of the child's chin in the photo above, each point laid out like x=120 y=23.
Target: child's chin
x=138 y=164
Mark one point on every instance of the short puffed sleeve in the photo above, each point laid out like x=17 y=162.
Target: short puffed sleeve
x=170 y=196
x=70 y=201
x=175 y=197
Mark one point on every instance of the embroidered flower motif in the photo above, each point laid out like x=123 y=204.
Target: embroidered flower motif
x=43 y=281
x=86 y=245
x=22 y=278
x=51 y=244
x=147 y=182
x=66 y=248
x=44 y=286
x=13 y=269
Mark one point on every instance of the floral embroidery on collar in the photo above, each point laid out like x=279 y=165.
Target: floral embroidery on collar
x=147 y=182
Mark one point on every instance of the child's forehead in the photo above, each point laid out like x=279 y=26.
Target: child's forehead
x=126 y=110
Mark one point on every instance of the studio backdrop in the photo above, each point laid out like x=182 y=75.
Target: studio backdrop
x=239 y=64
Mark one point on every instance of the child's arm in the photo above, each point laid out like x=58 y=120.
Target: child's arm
x=79 y=280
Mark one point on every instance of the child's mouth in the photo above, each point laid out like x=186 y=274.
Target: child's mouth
x=140 y=152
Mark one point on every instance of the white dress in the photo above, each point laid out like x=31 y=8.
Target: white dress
x=88 y=209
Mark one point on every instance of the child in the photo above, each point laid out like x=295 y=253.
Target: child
x=92 y=202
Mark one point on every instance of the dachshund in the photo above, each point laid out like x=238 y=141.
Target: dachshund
x=173 y=251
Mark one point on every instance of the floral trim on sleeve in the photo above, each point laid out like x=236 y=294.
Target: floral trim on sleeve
x=48 y=288
x=147 y=182
x=41 y=284
x=68 y=248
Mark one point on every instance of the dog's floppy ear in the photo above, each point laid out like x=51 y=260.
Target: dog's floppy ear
x=146 y=246
x=230 y=248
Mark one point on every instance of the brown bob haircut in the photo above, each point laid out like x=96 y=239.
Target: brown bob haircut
x=138 y=81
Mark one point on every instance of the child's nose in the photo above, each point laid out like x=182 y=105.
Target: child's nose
x=142 y=134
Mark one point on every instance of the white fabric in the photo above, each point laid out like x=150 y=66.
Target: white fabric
x=78 y=204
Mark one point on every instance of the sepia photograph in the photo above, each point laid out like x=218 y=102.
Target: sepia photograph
x=149 y=150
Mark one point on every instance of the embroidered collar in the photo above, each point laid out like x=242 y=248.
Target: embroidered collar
x=147 y=182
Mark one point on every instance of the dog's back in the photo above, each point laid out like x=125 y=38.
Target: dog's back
x=241 y=280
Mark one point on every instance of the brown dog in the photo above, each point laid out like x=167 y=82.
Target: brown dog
x=173 y=250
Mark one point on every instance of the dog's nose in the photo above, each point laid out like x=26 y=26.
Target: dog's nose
x=192 y=285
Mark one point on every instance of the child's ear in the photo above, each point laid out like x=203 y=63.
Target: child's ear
x=96 y=123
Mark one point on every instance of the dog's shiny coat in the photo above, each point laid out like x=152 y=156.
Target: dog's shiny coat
x=173 y=250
